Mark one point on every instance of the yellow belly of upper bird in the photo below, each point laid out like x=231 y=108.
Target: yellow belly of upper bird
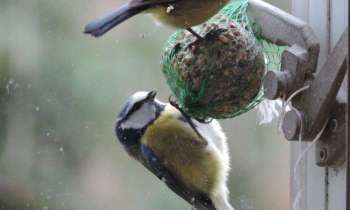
x=187 y=13
x=183 y=152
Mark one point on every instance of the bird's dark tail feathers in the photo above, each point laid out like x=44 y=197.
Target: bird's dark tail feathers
x=102 y=25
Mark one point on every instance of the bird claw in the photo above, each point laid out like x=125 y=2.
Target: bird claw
x=199 y=37
x=174 y=103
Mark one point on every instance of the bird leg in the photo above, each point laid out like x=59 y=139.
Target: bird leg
x=186 y=116
x=174 y=103
x=194 y=33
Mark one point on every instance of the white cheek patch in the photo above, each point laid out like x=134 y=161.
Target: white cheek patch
x=140 y=118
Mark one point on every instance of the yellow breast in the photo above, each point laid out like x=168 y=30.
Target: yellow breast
x=183 y=152
x=187 y=13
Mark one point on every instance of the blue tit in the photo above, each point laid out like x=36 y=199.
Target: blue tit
x=191 y=157
x=176 y=13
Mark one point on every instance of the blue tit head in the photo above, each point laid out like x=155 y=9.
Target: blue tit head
x=139 y=111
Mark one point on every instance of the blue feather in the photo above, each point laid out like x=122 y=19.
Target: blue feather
x=199 y=200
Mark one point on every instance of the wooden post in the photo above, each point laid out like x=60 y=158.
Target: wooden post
x=314 y=187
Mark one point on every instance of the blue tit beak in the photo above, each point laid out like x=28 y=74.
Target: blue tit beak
x=151 y=95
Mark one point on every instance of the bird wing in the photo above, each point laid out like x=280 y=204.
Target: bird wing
x=200 y=201
x=150 y=3
x=103 y=24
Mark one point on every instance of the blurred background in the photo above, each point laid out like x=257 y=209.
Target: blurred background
x=60 y=91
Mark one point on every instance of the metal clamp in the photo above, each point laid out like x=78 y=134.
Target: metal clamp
x=299 y=60
x=318 y=103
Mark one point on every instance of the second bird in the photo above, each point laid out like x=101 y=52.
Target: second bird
x=190 y=157
x=176 y=13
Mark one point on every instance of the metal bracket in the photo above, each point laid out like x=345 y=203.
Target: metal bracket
x=318 y=103
x=330 y=149
x=299 y=60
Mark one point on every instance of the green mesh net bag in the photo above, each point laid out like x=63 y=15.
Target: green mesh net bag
x=220 y=76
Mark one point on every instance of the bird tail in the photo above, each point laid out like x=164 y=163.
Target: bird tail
x=102 y=25
x=221 y=202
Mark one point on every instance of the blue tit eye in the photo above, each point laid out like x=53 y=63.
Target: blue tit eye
x=134 y=108
x=135 y=102
x=129 y=109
